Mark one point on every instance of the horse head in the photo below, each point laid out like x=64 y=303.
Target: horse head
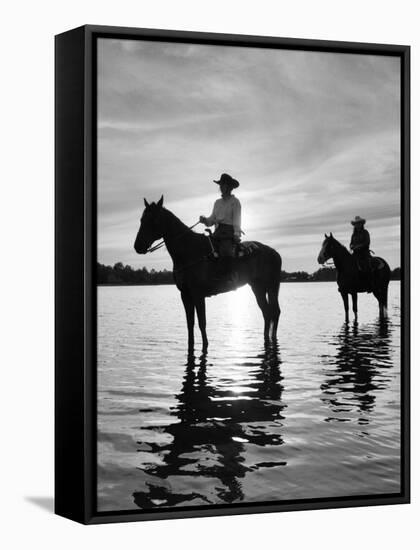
x=326 y=251
x=151 y=226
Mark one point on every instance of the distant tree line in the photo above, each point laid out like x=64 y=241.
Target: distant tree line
x=121 y=274
x=322 y=274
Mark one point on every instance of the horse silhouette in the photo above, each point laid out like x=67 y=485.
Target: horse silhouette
x=350 y=280
x=195 y=270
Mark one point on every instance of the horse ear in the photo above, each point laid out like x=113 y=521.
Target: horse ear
x=146 y=204
x=326 y=236
x=160 y=201
x=330 y=235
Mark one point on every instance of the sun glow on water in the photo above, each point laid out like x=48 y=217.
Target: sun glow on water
x=239 y=303
x=239 y=307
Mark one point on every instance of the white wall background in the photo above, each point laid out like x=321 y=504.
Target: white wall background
x=26 y=301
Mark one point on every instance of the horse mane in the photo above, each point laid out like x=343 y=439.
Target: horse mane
x=342 y=246
x=171 y=214
x=175 y=218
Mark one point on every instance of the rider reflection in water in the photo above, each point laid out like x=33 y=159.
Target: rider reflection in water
x=226 y=216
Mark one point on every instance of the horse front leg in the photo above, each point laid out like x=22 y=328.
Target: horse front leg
x=345 y=297
x=354 y=300
x=200 y=306
x=189 y=312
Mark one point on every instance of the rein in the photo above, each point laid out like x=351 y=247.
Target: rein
x=329 y=263
x=162 y=243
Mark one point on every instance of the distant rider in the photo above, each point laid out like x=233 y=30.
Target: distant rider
x=360 y=246
x=226 y=216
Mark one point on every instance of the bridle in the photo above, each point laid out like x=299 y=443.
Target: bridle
x=331 y=263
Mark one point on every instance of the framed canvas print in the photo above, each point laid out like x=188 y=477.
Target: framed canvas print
x=232 y=274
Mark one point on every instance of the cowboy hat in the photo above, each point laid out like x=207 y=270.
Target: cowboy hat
x=358 y=219
x=228 y=180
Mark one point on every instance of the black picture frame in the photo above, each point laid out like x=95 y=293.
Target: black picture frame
x=75 y=289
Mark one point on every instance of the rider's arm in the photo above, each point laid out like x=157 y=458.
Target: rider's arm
x=211 y=220
x=237 y=219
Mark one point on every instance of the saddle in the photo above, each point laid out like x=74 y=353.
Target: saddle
x=377 y=263
x=371 y=263
x=246 y=248
x=240 y=250
x=368 y=272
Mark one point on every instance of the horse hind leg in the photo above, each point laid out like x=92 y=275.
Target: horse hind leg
x=260 y=295
x=273 y=302
x=354 y=301
x=385 y=300
x=382 y=297
x=386 y=303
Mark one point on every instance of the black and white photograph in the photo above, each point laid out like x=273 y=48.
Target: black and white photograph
x=248 y=275
x=209 y=275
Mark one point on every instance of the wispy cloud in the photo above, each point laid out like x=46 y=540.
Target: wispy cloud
x=312 y=137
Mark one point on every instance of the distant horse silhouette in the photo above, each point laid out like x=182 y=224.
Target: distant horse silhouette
x=195 y=270
x=349 y=278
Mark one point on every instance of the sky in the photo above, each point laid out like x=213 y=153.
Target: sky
x=312 y=137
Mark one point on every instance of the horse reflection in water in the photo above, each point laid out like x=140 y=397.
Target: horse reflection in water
x=204 y=462
x=360 y=365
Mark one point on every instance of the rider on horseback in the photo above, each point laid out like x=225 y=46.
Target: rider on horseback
x=359 y=244
x=226 y=216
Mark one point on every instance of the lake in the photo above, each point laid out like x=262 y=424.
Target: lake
x=316 y=416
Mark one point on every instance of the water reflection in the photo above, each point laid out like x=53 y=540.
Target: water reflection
x=212 y=430
x=358 y=370
x=217 y=419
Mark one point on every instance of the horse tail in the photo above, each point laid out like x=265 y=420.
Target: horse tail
x=382 y=276
x=274 y=277
x=276 y=263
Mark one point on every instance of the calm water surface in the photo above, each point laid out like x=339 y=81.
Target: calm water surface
x=315 y=416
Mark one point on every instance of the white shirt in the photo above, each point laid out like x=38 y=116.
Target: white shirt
x=226 y=210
